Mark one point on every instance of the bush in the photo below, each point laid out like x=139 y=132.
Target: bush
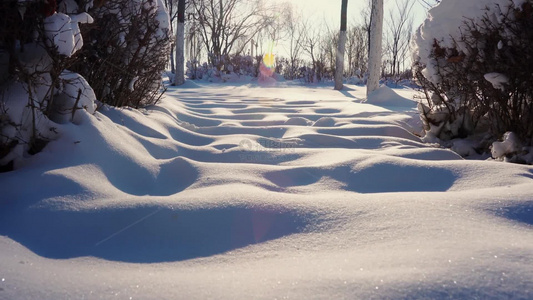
x=481 y=80
x=41 y=55
x=37 y=45
x=126 y=51
x=227 y=67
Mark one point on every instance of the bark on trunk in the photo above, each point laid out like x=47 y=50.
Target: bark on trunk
x=339 y=68
x=172 y=61
x=179 y=77
x=374 y=55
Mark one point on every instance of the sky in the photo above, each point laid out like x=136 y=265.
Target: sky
x=329 y=12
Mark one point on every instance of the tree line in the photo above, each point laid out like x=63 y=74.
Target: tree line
x=216 y=30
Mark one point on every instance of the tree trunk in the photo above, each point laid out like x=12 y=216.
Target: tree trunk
x=339 y=68
x=172 y=62
x=179 y=77
x=374 y=55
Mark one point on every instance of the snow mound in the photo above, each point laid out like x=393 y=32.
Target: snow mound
x=62 y=31
x=75 y=94
x=510 y=145
x=385 y=96
x=298 y=121
x=324 y=122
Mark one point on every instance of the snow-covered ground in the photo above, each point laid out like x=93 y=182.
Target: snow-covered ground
x=240 y=192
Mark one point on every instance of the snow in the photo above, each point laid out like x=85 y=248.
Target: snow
x=384 y=95
x=31 y=106
x=131 y=85
x=238 y=192
x=163 y=19
x=497 y=80
x=62 y=31
x=18 y=118
x=510 y=145
x=75 y=93
x=83 y=18
x=465 y=147
x=59 y=33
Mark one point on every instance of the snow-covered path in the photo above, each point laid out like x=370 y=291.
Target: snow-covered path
x=245 y=192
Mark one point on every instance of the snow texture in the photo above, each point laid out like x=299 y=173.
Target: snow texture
x=163 y=18
x=211 y=194
x=497 y=80
x=510 y=145
x=384 y=95
x=75 y=93
x=62 y=31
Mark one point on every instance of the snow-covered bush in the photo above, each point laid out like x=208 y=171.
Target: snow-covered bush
x=195 y=70
x=289 y=70
x=242 y=65
x=38 y=44
x=228 y=67
x=126 y=51
x=477 y=77
x=308 y=74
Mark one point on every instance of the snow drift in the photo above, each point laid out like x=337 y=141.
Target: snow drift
x=216 y=193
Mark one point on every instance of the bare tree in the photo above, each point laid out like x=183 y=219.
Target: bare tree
x=400 y=28
x=294 y=39
x=128 y=53
x=310 y=43
x=278 y=18
x=366 y=15
x=339 y=70
x=428 y=3
x=356 y=49
x=374 y=55
x=404 y=57
x=193 y=37
x=171 y=6
x=225 y=23
x=328 y=48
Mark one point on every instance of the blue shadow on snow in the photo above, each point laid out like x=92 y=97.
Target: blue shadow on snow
x=147 y=234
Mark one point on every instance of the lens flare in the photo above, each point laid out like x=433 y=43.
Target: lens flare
x=269 y=60
x=268 y=64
